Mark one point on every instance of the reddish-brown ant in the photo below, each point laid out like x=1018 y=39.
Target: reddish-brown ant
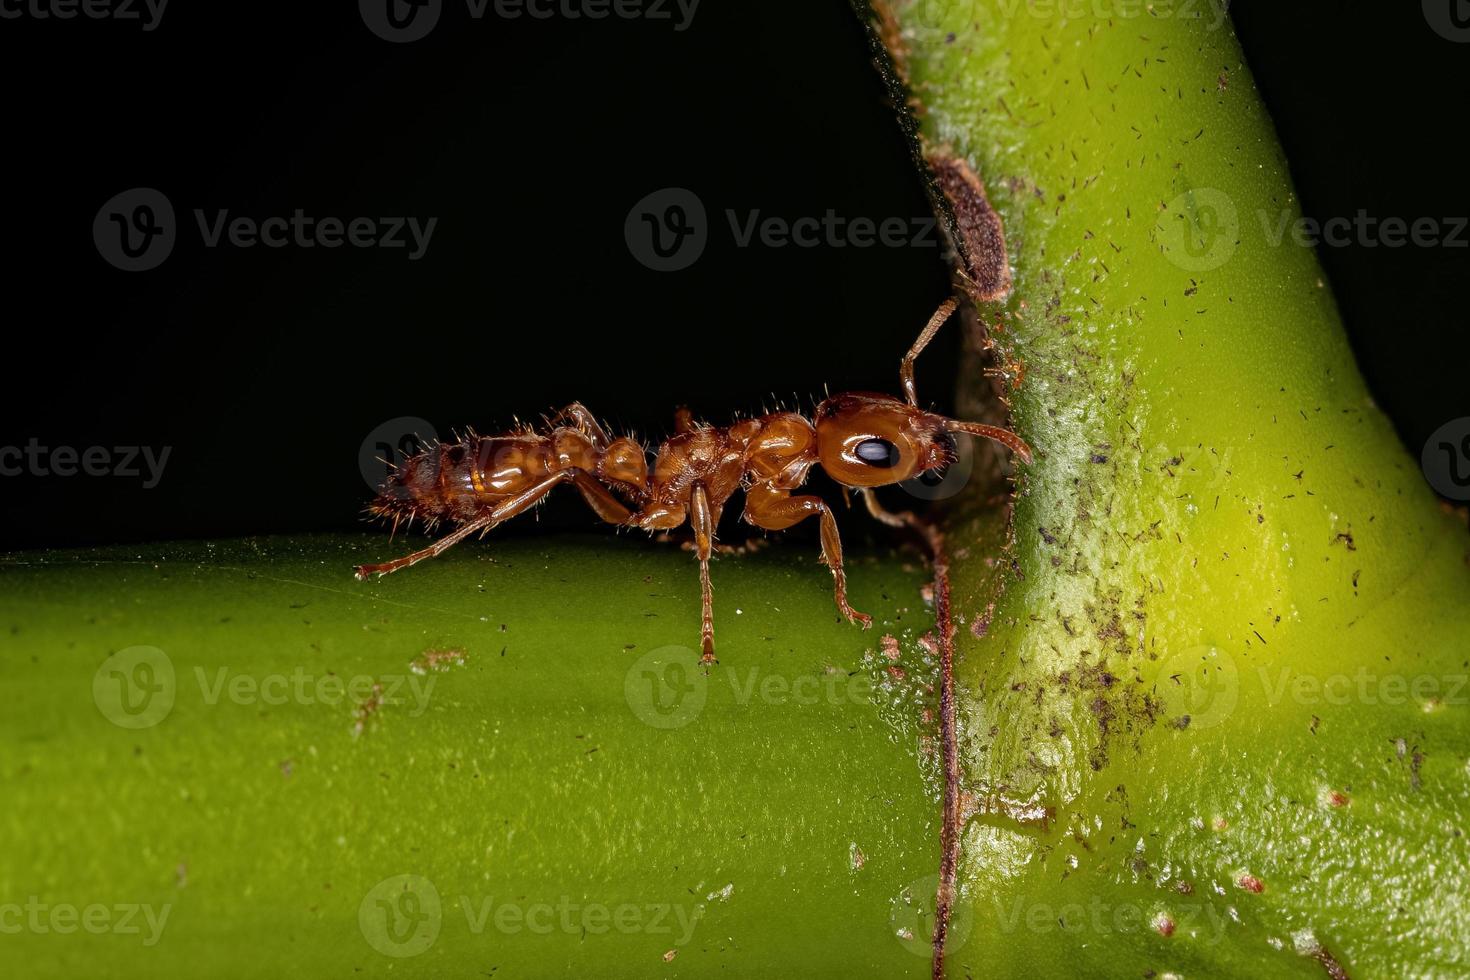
x=861 y=440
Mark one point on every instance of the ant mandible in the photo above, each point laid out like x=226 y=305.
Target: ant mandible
x=862 y=440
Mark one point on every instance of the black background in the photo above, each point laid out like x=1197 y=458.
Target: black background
x=264 y=369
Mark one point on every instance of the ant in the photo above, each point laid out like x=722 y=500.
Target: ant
x=862 y=440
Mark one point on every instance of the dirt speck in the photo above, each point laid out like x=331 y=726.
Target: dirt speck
x=1246 y=881
x=890 y=647
x=435 y=660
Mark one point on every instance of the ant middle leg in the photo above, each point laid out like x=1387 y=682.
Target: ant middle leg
x=776 y=510
x=902 y=518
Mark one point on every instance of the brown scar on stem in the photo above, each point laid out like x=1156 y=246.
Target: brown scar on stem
x=949 y=752
x=1329 y=963
x=976 y=229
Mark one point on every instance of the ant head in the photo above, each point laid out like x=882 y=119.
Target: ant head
x=871 y=440
x=868 y=440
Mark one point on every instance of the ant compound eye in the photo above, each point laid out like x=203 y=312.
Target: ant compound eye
x=877 y=453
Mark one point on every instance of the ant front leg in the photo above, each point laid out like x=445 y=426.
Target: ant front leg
x=775 y=510
x=906 y=366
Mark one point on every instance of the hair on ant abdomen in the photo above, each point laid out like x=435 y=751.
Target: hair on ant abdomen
x=862 y=440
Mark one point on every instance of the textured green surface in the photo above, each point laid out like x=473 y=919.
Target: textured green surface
x=577 y=808
x=1219 y=525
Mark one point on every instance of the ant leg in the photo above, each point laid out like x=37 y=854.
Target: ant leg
x=502 y=511
x=906 y=366
x=600 y=498
x=432 y=551
x=586 y=422
x=776 y=510
x=703 y=522
x=683 y=420
x=902 y=518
